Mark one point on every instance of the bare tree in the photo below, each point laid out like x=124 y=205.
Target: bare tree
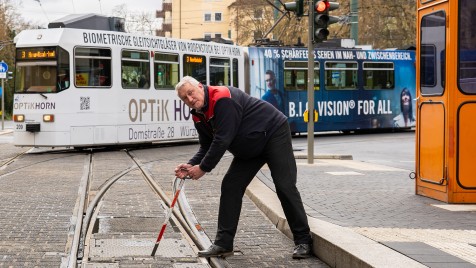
x=382 y=24
x=387 y=25
x=143 y=23
x=254 y=18
x=12 y=23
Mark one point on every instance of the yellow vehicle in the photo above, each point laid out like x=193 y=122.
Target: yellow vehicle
x=446 y=100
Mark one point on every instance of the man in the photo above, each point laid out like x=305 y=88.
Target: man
x=256 y=134
x=272 y=95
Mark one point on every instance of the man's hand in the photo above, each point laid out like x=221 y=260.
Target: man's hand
x=195 y=172
x=182 y=170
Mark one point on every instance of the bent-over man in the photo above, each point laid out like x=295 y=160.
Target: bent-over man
x=255 y=133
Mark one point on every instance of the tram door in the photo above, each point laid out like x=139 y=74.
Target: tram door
x=446 y=89
x=465 y=104
x=432 y=102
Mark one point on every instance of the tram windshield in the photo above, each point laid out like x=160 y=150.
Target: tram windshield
x=35 y=77
x=41 y=70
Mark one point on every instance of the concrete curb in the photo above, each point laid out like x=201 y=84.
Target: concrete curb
x=333 y=156
x=335 y=245
x=6 y=131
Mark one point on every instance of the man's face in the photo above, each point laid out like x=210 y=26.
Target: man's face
x=269 y=81
x=194 y=97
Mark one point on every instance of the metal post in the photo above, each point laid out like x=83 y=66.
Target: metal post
x=3 y=104
x=354 y=20
x=310 y=86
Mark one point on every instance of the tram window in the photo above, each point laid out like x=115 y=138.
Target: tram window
x=35 y=77
x=196 y=67
x=235 y=73
x=135 y=69
x=432 y=53
x=379 y=75
x=92 y=67
x=166 y=70
x=37 y=69
x=63 y=79
x=467 y=47
x=295 y=75
x=340 y=75
x=220 y=74
x=428 y=66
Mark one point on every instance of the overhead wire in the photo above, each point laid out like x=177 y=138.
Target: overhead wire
x=41 y=6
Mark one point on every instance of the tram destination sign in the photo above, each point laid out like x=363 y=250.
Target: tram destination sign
x=37 y=53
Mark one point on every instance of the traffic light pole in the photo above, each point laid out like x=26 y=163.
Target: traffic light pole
x=3 y=104
x=310 y=86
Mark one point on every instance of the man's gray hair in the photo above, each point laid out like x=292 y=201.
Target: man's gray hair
x=186 y=80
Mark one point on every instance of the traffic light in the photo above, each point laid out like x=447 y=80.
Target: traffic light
x=9 y=75
x=322 y=19
x=295 y=6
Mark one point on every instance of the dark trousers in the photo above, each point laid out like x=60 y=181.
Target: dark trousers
x=278 y=154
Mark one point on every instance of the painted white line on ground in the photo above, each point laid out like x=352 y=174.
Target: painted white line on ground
x=344 y=173
x=457 y=207
x=361 y=165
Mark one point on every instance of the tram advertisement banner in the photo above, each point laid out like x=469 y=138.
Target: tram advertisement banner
x=353 y=89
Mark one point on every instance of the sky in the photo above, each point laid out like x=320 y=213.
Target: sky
x=44 y=11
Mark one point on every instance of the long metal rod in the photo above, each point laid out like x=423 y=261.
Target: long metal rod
x=275 y=24
x=276 y=7
x=310 y=86
x=354 y=18
x=83 y=189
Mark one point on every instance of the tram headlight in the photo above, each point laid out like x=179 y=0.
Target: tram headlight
x=48 y=118
x=19 y=118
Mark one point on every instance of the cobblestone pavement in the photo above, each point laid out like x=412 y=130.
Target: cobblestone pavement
x=37 y=202
x=39 y=195
x=374 y=200
x=7 y=151
x=258 y=243
x=379 y=202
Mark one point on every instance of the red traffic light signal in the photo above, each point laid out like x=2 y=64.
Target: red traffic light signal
x=321 y=6
x=322 y=19
x=324 y=6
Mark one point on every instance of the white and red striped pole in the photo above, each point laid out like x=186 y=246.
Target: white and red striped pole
x=167 y=217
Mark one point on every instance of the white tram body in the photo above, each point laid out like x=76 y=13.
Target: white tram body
x=83 y=88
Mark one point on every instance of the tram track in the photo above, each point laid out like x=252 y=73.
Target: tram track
x=5 y=162
x=85 y=231
x=185 y=214
x=45 y=197
x=90 y=201
x=19 y=155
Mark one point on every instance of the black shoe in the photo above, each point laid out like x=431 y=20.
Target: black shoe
x=302 y=251
x=215 y=251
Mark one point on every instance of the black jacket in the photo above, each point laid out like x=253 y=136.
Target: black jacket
x=240 y=124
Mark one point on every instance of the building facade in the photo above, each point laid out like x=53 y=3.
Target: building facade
x=188 y=19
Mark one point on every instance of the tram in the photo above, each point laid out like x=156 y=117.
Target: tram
x=81 y=88
x=446 y=93
x=86 y=88
x=353 y=89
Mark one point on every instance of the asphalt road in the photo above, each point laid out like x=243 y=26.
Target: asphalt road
x=395 y=149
